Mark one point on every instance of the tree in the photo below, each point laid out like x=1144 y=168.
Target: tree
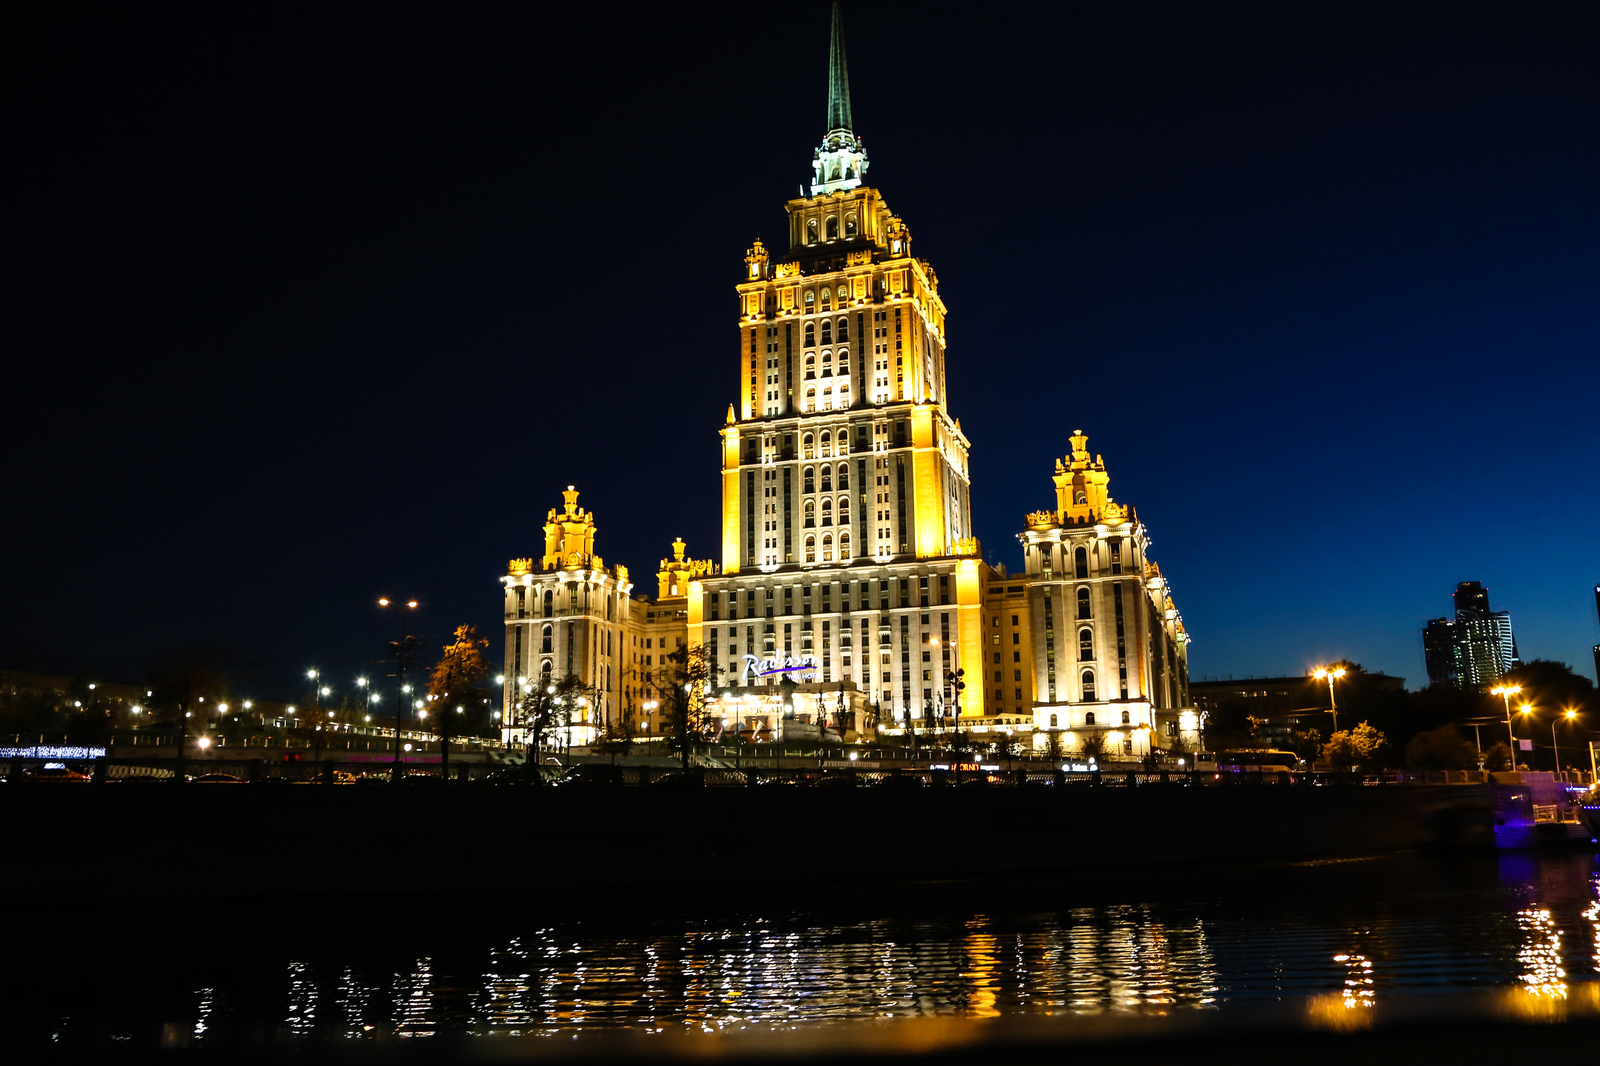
x=614 y=736
x=1093 y=746
x=1498 y=757
x=1229 y=726
x=686 y=696
x=1353 y=748
x=1306 y=743
x=542 y=708
x=456 y=690
x=1441 y=749
x=1052 y=744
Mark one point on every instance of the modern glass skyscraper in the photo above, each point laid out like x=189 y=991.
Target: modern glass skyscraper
x=1475 y=648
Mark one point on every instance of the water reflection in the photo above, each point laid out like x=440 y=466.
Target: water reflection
x=1395 y=929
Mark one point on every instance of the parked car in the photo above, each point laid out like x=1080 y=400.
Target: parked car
x=591 y=775
x=679 y=779
x=216 y=779
x=59 y=775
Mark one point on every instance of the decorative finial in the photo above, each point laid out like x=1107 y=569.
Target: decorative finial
x=841 y=161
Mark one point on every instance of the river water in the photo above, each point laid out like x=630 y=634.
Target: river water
x=1174 y=939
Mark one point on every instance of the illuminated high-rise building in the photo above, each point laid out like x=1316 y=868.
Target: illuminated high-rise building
x=850 y=591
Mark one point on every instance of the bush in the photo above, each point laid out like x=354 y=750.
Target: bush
x=1441 y=749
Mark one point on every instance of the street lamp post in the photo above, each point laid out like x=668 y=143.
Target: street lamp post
x=399 y=674
x=1569 y=714
x=1505 y=692
x=1330 y=672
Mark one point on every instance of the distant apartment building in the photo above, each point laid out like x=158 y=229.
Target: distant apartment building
x=1472 y=649
x=1282 y=706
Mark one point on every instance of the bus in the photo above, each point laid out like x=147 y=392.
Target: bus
x=1263 y=761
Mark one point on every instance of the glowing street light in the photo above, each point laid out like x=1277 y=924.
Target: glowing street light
x=1569 y=714
x=400 y=670
x=1330 y=672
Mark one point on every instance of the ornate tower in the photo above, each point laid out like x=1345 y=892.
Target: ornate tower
x=842 y=467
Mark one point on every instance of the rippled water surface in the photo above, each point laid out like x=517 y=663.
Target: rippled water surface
x=1174 y=940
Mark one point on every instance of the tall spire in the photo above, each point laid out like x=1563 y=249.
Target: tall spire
x=838 y=78
x=841 y=161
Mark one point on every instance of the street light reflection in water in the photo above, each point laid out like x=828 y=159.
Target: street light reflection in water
x=1331 y=941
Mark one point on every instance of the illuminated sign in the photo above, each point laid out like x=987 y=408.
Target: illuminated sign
x=52 y=751
x=805 y=666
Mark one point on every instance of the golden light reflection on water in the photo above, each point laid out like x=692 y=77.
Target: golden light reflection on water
x=786 y=971
x=1543 y=972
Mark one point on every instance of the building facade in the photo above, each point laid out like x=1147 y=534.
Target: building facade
x=850 y=592
x=1472 y=649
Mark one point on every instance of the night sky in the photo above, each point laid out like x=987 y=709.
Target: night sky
x=311 y=307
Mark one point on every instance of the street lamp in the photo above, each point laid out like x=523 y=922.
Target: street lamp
x=1330 y=672
x=1569 y=714
x=1505 y=692
x=401 y=607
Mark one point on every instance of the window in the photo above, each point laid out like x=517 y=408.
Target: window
x=810 y=514
x=1083 y=604
x=1053 y=723
x=825 y=299
x=827 y=548
x=545 y=639
x=1088 y=685
x=849 y=225
x=825 y=443
x=806 y=445
x=1080 y=562
x=549 y=603
x=1126 y=718
x=827 y=329
x=844 y=546
x=811 y=329
x=545 y=669
x=844 y=331
x=827 y=512
x=844 y=475
x=811 y=399
x=1016 y=638
x=811 y=365
x=1085 y=645
x=811 y=238
x=811 y=548
x=809 y=480
x=827 y=478
x=833 y=227
x=811 y=297
x=844 y=509
x=1088 y=719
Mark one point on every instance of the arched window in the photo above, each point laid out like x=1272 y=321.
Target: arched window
x=1081 y=498
x=1053 y=723
x=1127 y=719
x=549 y=604
x=811 y=297
x=833 y=227
x=1080 y=562
x=826 y=301
x=806 y=443
x=844 y=547
x=811 y=399
x=844 y=510
x=844 y=330
x=826 y=441
x=844 y=475
x=841 y=294
x=546 y=638
x=827 y=361
x=811 y=549
x=1086 y=645
x=827 y=549
x=811 y=366
x=827 y=397
x=827 y=512
x=844 y=362
x=811 y=331
x=810 y=481
x=849 y=225
x=1088 y=685
x=827 y=479
x=1083 y=604
x=1088 y=719
x=827 y=326
x=811 y=238
x=844 y=398
x=810 y=514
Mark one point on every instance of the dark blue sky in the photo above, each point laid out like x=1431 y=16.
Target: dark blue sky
x=316 y=307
